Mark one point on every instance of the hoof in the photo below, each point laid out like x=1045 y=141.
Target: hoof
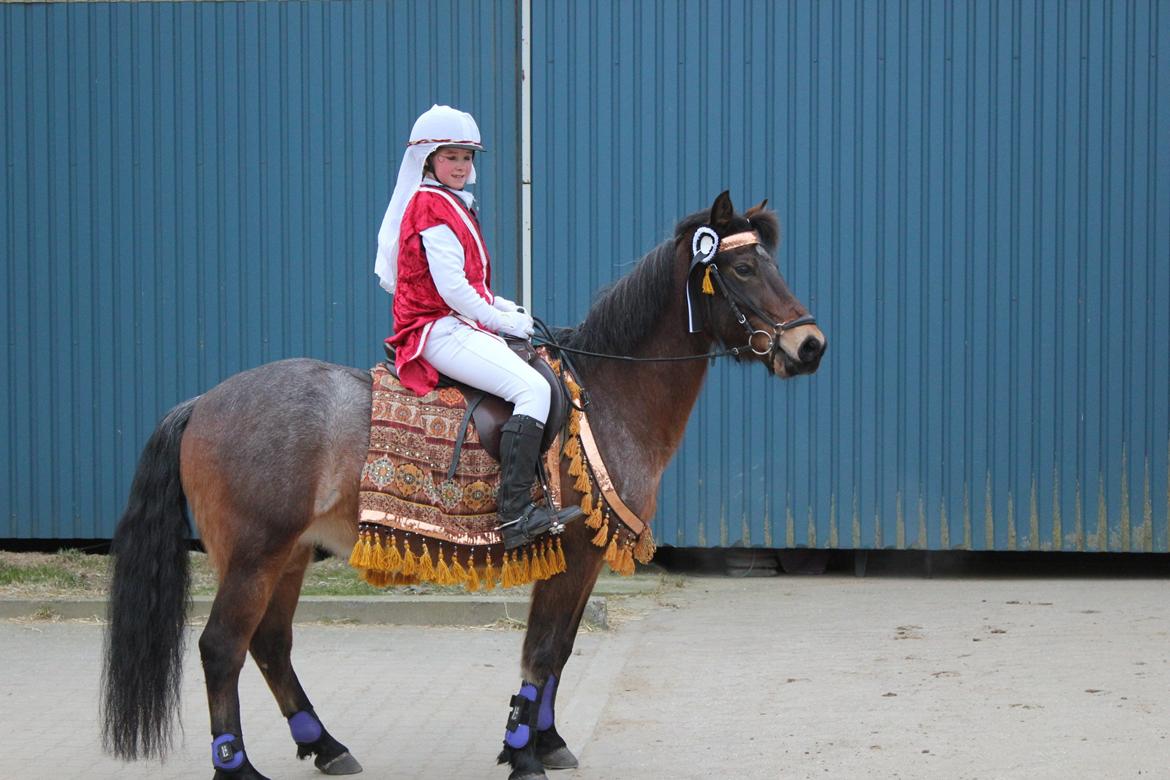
x=559 y=758
x=527 y=774
x=345 y=764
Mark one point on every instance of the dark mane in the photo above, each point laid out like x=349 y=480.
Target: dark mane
x=624 y=311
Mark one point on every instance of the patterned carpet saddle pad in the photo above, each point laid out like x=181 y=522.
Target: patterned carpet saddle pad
x=419 y=522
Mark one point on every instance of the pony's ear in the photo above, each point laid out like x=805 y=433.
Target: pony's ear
x=722 y=212
x=767 y=224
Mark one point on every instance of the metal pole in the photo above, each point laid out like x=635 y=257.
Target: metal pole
x=526 y=153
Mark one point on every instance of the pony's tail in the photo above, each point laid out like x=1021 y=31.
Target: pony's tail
x=143 y=667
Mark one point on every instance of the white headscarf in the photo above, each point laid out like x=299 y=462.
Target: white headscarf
x=439 y=126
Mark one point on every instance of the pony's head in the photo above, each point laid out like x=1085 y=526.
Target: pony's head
x=742 y=300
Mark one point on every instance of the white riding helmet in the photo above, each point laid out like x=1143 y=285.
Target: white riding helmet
x=437 y=127
x=446 y=126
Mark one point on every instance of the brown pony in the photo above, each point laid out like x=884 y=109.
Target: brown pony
x=270 y=476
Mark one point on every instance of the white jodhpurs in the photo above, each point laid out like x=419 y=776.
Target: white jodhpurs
x=479 y=359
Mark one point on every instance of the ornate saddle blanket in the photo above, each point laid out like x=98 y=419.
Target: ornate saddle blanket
x=422 y=520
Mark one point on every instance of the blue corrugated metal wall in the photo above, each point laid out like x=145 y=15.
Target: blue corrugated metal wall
x=192 y=189
x=974 y=197
x=975 y=200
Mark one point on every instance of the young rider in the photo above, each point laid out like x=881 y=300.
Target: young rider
x=432 y=258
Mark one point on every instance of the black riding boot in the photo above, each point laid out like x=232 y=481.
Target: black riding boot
x=521 y=521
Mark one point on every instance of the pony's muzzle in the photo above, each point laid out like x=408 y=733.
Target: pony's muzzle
x=810 y=350
x=800 y=351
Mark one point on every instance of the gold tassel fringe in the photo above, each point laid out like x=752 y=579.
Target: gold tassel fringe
x=383 y=561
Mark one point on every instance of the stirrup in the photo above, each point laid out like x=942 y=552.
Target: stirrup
x=535 y=521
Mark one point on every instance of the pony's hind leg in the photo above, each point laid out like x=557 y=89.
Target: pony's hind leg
x=557 y=607
x=245 y=589
x=271 y=649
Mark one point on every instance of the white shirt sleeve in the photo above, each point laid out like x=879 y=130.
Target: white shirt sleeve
x=446 y=262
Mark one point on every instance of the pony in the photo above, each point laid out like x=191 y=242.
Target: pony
x=271 y=476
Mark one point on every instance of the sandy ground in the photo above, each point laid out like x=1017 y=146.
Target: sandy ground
x=783 y=677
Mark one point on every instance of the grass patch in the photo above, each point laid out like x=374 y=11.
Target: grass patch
x=37 y=574
x=74 y=574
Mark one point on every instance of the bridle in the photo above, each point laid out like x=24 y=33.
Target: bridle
x=706 y=245
x=734 y=301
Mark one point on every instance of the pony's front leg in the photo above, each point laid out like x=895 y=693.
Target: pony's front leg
x=531 y=741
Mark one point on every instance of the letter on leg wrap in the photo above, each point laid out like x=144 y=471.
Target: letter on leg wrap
x=305 y=727
x=227 y=752
x=519 y=729
x=544 y=720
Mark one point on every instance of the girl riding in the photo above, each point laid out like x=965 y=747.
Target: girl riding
x=433 y=259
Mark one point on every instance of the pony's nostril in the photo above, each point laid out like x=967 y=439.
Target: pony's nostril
x=810 y=349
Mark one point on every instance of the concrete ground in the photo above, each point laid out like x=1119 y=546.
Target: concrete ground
x=781 y=677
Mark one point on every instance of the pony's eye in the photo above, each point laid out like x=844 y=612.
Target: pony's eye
x=743 y=269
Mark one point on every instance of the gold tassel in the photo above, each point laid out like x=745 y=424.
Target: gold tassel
x=458 y=573
x=443 y=574
x=378 y=559
x=582 y=484
x=393 y=558
x=574 y=421
x=645 y=548
x=409 y=561
x=525 y=569
x=587 y=503
x=472 y=575
x=708 y=288
x=426 y=567
x=575 y=466
x=594 y=519
x=561 y=565
x=506 y=580
x=626 y=560
x=539 y=570
x=573 y=447
x=611 y=552
x=489 y=574
x=601 y=535
x=550 y=561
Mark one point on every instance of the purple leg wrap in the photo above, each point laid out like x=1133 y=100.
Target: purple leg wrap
x=518 y=732
x=305 y=727
x=225 y=754
x=544 y=720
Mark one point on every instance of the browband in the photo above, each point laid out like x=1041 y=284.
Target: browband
x=737 y=240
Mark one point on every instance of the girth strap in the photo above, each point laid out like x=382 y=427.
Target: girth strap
x=471 y=407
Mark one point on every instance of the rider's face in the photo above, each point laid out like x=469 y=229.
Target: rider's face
x=452 y=166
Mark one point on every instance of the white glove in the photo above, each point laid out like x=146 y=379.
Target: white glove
x=515 y=323
x=503 y=304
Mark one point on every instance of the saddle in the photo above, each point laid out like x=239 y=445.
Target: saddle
x=490 y=412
